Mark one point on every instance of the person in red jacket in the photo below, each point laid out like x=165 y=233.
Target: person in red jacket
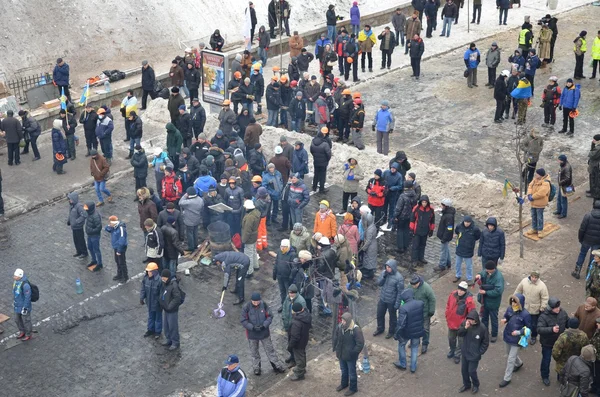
x=460 y=303
x=422 y=225
x=376 y=189
x=171 y=187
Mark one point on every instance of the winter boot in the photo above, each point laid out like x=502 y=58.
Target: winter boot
x=576 y=273
x=130 y=155
x=259 y=109
x=118 y=276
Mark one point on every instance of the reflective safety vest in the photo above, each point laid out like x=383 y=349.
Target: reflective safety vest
x=596 y=48
x=522 y=39
x=583 y=45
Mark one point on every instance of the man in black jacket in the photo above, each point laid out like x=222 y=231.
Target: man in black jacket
x=172 y=249
x=282 y=269
x=139 y=162
x=68 y=124
x=256 y=318
x=93 y=228
x=416 y=48
x=298 y=340
x=136 y=130
x=198 y=115
x=500 y=93
x=475 y=342
x=31 y=132
x=445 y=233
x=321 y=152
x=89 y=120
x=12 y=131
x=348 y=343
x=253 y=21
x=304 y=59
x=184 y=125
x=565 y=186
x=551 y=323
x=170 y=300
x=388 y=42
x=404 y=205
x=192 y=80
x=589 y=237
x=148 y=82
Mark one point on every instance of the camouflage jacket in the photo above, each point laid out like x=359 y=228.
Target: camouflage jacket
x=569 y=344
x=592 y=285
x=596 y=342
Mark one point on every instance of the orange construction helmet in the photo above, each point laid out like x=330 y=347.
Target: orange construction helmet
x=349 y=59
x=60 y=156
x=237 y=75
x=256 y=178
x=231 y=180
x=283 y=79
x=356 y=95
x=226 y=102
x=346 y=92
x=325 y=130
x=573 y=113
x=276 y=68
x=151 y=266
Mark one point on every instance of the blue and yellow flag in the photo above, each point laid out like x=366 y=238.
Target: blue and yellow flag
x=505 y=188
x=523 y=90
x=85 y=94
x=63 y=99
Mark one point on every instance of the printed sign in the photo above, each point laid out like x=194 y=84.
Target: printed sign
x=215 y=73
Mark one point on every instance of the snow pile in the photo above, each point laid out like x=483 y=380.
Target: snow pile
x=156 y=111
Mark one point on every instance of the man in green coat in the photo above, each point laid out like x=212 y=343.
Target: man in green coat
x=592 y=284
x=424 y=293
x=491 y=287
x=292 y=297
x=174 y=142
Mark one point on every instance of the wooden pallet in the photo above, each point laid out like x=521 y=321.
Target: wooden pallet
x=548 y=228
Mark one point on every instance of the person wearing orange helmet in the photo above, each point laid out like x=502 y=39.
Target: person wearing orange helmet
x=150 y=296
x=345 y=109
x=234 y=91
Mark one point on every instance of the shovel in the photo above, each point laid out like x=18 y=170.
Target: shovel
x=219 y=312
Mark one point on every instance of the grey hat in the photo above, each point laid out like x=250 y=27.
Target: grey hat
x=494 y=44
x=144 y=63
x=283 y=138
x=293 y=288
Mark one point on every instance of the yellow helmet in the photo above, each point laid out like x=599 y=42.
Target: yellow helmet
x=324 y=202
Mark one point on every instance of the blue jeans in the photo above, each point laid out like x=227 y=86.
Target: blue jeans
x=283 y=116
x=349 y=374
x=447 y=24
x=184 y=88
x=155 y=321
x=310 y=106
x=101 y=188
x=274 y=210
x=445 y=260
x=191 y=233
x=355 y=29
x=537 y=219
x=414 y=352
x=171 y=264
x=399 y=37
x=262 y=54
x=545 y=365
x=297 y=124
x=583 y=252
x=296 y=214
x=272 y=117
x=562 y=203
x=468 y=265
x=171 y=322
x=133 y=142
x=490 y=315
x=106 y=146
x=331 y=33
x=93 y=243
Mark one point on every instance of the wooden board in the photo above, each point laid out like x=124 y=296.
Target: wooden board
x=3 y=318
x=51 y=104
x=548 y=228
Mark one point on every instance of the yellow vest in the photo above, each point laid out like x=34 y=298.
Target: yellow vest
x=596 y=48
x=522 y=36
x=583 y=45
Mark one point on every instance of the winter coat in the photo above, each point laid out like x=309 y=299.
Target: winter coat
x=170 y=296
x=173 y=105
x=93 y=221
x=410 y=317
x=171 y=242
x=369 y=244
x=198 y=120
x=422 y=220
x=184 y=125
x=391 y=285
x=532 y=64
x=492 y=243
x=283 y=166
x=304 y=59
x=32 y=129
x=412 y=26
x=296 y=43
x=417 y=48
x=354 y=15
x=321 y=111
x=321 y=151
x=348 y=343
x=552 y=94
x=350 y=232
x=299 y=195
x=148 y=79
x=118 y=236
x=539 y=190
x=366 y=40
x=204 y=183
x=234 y=198
x=89 y=120
x=258 y=83
x=104 y=128
x=515 y=321
x=99 y=168
x=405 y=204
x=300 y=160
x=77 y=214
x=260 y=316
x=570 y=97
x=589 y=230
x=500 y=89
x=264 y=40
x=458 y=308
x=286 y=314
x=425 y=294
x=164 y=215
x=171 y=188
x=536 y=295
x=517 y=59
x=273 y=183
x=174 y=140
x=503 y=4
x=328 y=226
x=388 y=39
x=376 y=189
x=402 y=161
x=282 y=268
x=475 y=339
x=139 y=161
x=252 y=135
x=445 y=230
x=569 y=344
x=60 y=74
x=216 y=41
x=147 y=210
x=494 y=287
x=297 y=109
x=580 y=373
x=384 y=120
x=546 y=322
x=299 y=330
x=352 y=177
x=227 y=120
x=466 y=239
x=492 y=58
x=302 y=241
x=150 y=291
x=399 y=20
x=232 y=383
x=22 y=295
x=472 y=58
x=192 y=209
x=192 y=78
x=250 y=224
x=273 y=98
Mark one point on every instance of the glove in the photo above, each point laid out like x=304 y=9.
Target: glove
x=430 y=233
x=68 y=223
x=520 y=200
x=224 y=288
x=529 y=197
x=357 y=285
x=559 y=107
x=373 y=128
x=256 y=328
x=274 y=278
x=390 y=131
x=142 y=302
x=24 y=311
x=500 y=261
x=350 y=177
x=373 y=194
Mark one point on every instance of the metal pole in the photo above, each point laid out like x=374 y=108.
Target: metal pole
x=280 y=35
x=468 y=19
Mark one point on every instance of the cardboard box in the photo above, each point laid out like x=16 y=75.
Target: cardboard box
x=51 y=104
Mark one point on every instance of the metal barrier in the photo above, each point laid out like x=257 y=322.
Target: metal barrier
x=19 y=86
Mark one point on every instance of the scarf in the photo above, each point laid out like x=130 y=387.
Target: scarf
x=323 y=215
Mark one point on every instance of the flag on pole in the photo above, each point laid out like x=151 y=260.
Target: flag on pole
x=85 y=94
x=505 y=188
x=63 y=99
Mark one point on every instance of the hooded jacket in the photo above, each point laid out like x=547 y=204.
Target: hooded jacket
x=376 y=189
x=348 y=343
x=300 y=160
x=77 y=214
x=589 y=230
x=445 y=230
x=139 y=162
x=328 y=226
x=302 y=241
x=299 y=330
x=391 y=285
x=494 y=287
x=424 y=293
x=579 y=372
x=93 y=222
x=150 y=291
x=174 y=140
x=492 y=243
x=321 y=151
x=282 y=269
x=350 y=233
x=546 y=322
x=466 y=238
x=369 y=244
x=410 y=317
x=457 y=309
x=476 y=338
x=250 y=224
x=402 y=161
x=405 y=204
x=33 y=129
x=155 y=240
x=232 y=383
x=422 y=221
x=256 y=316
x=570 y=97
x=22 y=295
x=516 y=320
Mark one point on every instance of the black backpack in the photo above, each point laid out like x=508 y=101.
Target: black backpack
x=35 y=291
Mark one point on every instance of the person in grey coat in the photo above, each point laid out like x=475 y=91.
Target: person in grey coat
x=256 y=317
x=369 y=247
x=492 y=60
x=76 y=220
x=171 y=211
x=392 y=285
x=192 y=206
x=230 y=261
x=398 y=20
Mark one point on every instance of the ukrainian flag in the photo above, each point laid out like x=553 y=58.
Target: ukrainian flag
x=85 y=94
x=63 y=99
x=523 y=90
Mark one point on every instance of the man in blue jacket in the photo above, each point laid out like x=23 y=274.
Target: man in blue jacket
x=60 y=77
x=410 y=328
x=392 y=285
x=383 y=123
x=298 y=198
x=492 y=244
x=395 y=184
x=118 y=240
x=516 y=318
x=569 y=100
x=472 y=58
x=22 y=304
x=532 y=64
x=467 y=234
x=150 y=296
x=232 y=380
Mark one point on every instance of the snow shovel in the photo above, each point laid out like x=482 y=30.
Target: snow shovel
x=219 y=312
